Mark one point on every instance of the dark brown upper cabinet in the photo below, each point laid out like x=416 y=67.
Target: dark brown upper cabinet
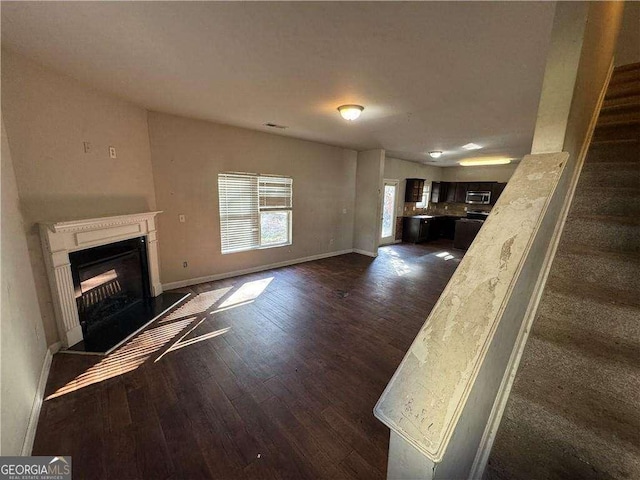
x=461 y=192
x=439 y=192
x=413 y=192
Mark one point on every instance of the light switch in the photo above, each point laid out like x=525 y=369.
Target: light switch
x=182 y=218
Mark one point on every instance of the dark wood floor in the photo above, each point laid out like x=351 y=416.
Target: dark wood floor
x=270 y=375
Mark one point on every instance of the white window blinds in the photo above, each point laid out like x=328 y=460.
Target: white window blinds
x=275 y=192
x=255 y=211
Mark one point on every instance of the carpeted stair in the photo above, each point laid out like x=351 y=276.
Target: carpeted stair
x=574 y=410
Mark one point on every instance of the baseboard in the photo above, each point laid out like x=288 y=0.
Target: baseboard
x=30 y=436
x=236 y=273
x=364 y=252
x=495 y=417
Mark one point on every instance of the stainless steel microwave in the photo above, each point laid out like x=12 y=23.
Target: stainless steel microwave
x=481 y=198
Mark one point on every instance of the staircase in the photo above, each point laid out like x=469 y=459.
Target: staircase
x=574 y=409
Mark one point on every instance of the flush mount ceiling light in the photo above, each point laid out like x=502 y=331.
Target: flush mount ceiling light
x=350 y=112
x=435 y=154
x=471 y=146
x=484 y=161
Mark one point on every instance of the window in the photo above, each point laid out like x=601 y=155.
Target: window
x=255 y=211
x=425 y=196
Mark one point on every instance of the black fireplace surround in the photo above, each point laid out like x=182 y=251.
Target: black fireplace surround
x=111 y=284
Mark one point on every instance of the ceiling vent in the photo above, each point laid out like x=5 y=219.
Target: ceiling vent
x=275 y=125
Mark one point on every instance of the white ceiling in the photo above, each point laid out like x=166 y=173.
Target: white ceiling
x=432 y=76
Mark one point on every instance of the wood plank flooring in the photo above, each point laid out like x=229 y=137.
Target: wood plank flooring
x=270 y=375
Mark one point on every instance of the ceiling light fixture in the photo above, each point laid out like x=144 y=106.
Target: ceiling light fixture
x=471 y=146
x=435 y=154
x=350 y=112
x=484 y=161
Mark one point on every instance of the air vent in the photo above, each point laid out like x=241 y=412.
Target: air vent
x=275 y=125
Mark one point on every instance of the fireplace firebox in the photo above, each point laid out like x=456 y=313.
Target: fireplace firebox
x=108 y=280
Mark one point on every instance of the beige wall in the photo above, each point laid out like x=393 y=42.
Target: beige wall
x=628 y=45
x=23 y=342
x=48 y=117
x=598 y=47
x=485 y=173
x=187 y=156
x=368 y=183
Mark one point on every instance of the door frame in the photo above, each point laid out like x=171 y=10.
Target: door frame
x=392 y=239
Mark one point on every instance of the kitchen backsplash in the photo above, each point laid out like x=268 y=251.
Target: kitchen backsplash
x=457 y=209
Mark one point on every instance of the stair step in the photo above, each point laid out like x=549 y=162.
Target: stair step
x=593 y=391
x=625 y=89
x=626 y=68
x=598 y=269
x=612 y=323
x=535 y=442
x=622 y=103
x=614 y=201
x=625 y=76
x=605 y=232
x=624 y=117
x=619 y=152
x=610 y=174
x=616 y=133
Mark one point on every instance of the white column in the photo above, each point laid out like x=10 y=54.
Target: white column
x=152 y=258
x=64 y=301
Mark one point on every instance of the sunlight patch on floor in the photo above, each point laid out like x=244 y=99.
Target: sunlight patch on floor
x=400 y=266
x=198 y=304
x=248 y=291
x=139 y=349
x=185 y=343
x=444 y=255
x=126 y=359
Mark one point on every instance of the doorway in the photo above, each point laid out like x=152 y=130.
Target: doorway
x=389 y=202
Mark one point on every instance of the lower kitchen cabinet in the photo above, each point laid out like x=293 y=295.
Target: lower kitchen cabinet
x=415 y=229
x=466 y=231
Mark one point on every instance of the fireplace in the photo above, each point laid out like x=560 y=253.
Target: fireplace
x=104 y=278
x=108 y=280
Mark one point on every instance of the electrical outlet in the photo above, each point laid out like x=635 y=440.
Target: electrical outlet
x=182 y=218
x=344 y=210
x=331 y=242
x=112 y=152
x=86 y=146
x=185 y=264
x=446 y=207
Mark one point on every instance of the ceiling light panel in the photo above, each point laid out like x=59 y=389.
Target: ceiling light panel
x=471 y=162
x=471 y=146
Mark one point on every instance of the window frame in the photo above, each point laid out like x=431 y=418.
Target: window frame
x=258 y=180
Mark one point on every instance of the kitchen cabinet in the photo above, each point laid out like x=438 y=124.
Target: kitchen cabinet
x=466 y=231
x=416 y=229
x=461 y=192
x=439 y=192
x=450 y=196
x=496 y=191
x=413 y=191
x=442 y=226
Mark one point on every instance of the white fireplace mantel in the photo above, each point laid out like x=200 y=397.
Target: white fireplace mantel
x=61 y=238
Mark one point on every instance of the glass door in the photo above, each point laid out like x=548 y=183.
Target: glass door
x=388 y=230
